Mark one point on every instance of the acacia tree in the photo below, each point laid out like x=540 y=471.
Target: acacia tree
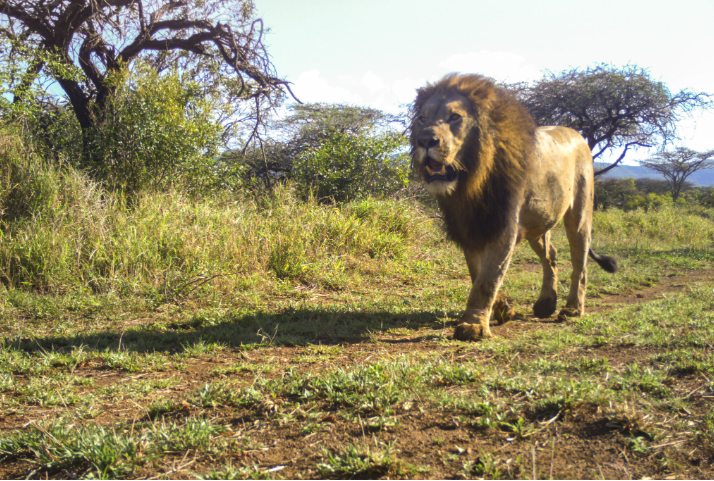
x=84 y=44
x=337 y=150
x=675 y=166
x=615 y=109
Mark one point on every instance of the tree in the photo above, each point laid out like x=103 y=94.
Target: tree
x=309 y=125
x=333 y=151
x=346 y=166
x=614 y=109
x=675 y=166
x=83 y=45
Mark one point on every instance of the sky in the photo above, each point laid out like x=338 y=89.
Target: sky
x=376 y=53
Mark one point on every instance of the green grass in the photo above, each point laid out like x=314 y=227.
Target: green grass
x=268 y=338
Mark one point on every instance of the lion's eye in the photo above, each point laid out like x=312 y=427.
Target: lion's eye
x=420 y=119
x=454 y=118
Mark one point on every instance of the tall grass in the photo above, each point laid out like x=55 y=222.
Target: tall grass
x=668 y=229
x=61 y=231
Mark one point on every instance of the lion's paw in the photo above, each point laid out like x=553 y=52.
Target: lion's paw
x=503 y=310
x=470 y=332
x=467 y=332
x=544 y=308
x=567 y=312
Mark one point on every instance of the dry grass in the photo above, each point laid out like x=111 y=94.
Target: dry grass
x=270 y=338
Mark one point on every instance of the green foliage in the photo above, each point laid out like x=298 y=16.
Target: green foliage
x=158 y=131
x=22 y=61
x=61 y=232
x=705 y=196
x=345 y=166
x=361 y=461
x=671 y=224
x=647 y=202
x=614 y=192
x=648 y=194
x=330 y=151
x=615 y=109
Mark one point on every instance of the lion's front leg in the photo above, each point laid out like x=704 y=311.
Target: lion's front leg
x=487 y=270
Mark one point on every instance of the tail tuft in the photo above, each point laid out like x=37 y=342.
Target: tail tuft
x=609 y=264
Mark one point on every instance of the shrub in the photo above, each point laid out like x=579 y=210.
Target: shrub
x=62 y=232
x=158 y=132
x=349 y=166
x=614 y=192
x=630 y=194
x=647 y=202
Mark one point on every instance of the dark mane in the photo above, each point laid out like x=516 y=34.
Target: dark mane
x=497 y=156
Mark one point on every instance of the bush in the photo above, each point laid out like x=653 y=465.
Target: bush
x=31 y=187
x=614 y=192
x=669 y=226
x=349 y=166
x=62 y=232
x=647 y=202
x=707 y=197
x=158 y=132
x=631 y=194
x=44 y=209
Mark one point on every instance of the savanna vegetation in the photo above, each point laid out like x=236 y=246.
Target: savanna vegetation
x=269 y=337
x=193 y=290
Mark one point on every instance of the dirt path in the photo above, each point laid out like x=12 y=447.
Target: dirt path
x=581 y=443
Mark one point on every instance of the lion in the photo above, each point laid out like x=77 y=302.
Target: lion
x=498 y=178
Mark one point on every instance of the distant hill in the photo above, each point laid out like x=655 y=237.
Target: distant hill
x=703 y=178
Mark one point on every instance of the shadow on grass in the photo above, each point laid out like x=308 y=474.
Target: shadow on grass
x=289 y=328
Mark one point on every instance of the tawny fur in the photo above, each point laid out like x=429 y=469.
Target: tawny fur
x=498 y=179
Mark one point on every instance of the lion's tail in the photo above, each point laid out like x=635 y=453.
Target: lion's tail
x=609 y=264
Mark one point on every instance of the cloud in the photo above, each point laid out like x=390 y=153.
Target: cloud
x=386 y=94
x=311 y=87
x=389 y=94
x=405 y=89
x=368 y=90
x=374 y=83
x=502 y=66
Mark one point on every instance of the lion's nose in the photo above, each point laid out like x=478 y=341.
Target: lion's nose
x=428 y=141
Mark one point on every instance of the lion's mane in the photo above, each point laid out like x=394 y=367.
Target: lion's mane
x=496 y=157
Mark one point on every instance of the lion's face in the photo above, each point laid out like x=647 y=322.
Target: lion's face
x=439 y=131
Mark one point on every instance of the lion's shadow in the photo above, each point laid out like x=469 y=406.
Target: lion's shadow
x=295 y=327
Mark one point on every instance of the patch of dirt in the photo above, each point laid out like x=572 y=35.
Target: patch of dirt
x=579 y=445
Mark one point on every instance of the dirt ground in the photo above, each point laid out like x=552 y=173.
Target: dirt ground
x=581 y=444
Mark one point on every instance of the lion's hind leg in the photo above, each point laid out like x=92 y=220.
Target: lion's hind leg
x=546 y=303
x=578 y=233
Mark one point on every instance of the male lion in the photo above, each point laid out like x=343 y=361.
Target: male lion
x=498 y=179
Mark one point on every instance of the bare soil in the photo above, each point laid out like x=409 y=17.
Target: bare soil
x=582 y=444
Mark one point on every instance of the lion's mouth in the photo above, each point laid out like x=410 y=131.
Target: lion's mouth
x=439 y=171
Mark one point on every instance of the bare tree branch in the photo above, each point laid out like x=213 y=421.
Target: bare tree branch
x=217 y=40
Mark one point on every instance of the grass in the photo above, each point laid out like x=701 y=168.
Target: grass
x=269 y=338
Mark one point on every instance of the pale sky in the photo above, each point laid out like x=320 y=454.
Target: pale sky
x=376 y=53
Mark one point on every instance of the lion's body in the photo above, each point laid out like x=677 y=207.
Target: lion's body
x=499 y=179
